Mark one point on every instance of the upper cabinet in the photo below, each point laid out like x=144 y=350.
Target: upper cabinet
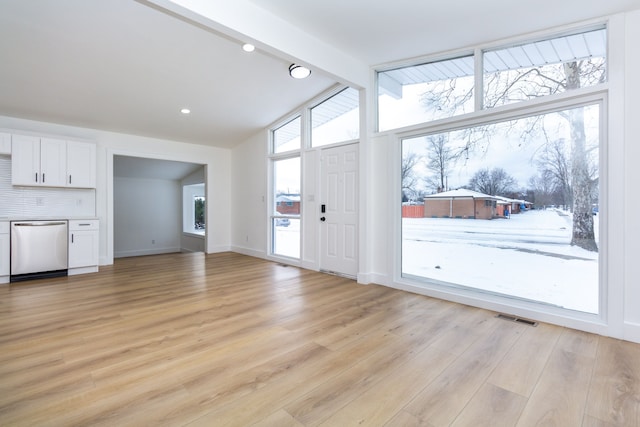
x=81 y=165
x=38 y=161
x=52 y=162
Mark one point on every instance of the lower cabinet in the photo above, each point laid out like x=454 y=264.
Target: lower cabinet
x=83 y=246
x=5 y=256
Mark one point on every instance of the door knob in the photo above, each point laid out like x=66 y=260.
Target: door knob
x=323 y=219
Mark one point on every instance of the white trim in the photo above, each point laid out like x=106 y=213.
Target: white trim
x=631 y=332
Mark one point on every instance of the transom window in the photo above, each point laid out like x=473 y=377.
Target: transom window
x=336 y=119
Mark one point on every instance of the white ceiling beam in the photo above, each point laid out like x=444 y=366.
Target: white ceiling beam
x=245 y=22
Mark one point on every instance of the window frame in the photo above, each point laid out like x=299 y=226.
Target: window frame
x=553 y=103
x=574 y=98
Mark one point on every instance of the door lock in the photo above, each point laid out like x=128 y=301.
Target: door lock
x=323 y=219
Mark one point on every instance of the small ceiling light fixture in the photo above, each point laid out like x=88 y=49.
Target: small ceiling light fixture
x=248 y=47
x=299 y=72
x=185 y=111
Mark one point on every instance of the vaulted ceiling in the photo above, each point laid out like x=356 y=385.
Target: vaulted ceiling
x=130 y=66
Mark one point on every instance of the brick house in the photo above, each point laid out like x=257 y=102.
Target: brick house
x=461 y=203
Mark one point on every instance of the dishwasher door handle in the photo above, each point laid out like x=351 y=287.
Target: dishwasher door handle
x=39 y=224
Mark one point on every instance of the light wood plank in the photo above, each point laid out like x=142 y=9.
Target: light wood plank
x=442 y=400
x=522 y=366
x=560 y=396
x=491 y=407
x=226 y=339
x=615 y=388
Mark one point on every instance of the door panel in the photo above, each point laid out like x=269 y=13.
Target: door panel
x=339 y=230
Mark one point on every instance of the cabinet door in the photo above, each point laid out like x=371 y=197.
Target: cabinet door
x=53 y=162
x=25 y=160
x=81 y=164
x=83 y=248
x=4 y=254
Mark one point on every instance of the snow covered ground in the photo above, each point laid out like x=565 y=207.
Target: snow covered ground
x=527 y=256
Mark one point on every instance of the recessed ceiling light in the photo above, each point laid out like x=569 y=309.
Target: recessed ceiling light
x=299 y=72
x=248 y=47
x=185 y=111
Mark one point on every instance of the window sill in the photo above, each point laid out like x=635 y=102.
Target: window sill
x=194 y=233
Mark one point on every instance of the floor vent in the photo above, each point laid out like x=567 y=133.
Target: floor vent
x=517 y=319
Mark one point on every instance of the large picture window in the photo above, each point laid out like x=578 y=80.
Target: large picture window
x=508 y=208
x=509 y=203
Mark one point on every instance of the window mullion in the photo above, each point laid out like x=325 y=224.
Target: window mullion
x=479 y=79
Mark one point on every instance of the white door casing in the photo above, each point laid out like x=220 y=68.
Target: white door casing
x=339 y=196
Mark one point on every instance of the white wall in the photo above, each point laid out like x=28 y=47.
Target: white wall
x=249 y=196
x=147 y=216
x=217 y=162
x=631 y=143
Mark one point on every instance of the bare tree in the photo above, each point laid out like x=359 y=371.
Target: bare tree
x=495 y=182
x=544 y=191
x=555 y=168
x=408 y=175
x=439 y=159
x=504 y=87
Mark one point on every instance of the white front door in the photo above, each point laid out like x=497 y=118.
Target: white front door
x=339 y=221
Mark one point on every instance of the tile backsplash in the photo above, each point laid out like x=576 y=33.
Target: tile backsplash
x=42 y=202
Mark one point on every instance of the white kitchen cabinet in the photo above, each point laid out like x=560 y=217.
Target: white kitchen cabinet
x=52 y=162
x=5 y=143
x=83 y=246
x=4 y=252
x=81 y=165
x=38 y=161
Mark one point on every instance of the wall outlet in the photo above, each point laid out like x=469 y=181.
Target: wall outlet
x=153 y=242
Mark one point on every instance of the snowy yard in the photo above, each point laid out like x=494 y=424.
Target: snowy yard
x=527 y=256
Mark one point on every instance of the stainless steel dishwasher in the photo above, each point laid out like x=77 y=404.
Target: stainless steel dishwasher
x=38 y=249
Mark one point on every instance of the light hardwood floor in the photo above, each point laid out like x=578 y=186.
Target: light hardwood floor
x=229 y=340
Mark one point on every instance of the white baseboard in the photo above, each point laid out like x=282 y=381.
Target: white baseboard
x=249 y=252
x=82 y=270
x=142 y=252
x=632 y=332
x=218 y=249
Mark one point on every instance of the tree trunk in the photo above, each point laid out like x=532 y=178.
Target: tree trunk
x=582 y=234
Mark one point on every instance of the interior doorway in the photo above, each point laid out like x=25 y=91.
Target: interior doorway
x=149 y=206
